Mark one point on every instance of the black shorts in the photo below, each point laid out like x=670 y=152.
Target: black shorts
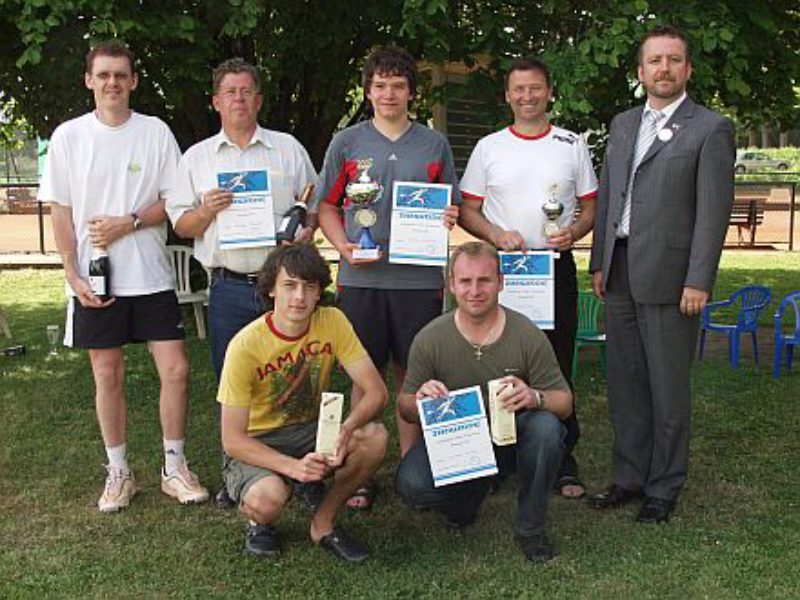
x=148 y=318
x=386 y=321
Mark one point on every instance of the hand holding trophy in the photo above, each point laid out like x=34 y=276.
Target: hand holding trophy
x=362 y=193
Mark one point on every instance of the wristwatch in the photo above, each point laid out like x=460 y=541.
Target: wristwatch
x=137 y=222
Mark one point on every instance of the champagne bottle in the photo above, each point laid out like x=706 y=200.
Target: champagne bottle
x=100 y=274
x=295 y=217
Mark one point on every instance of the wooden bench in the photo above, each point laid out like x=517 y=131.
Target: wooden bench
x=747 y=214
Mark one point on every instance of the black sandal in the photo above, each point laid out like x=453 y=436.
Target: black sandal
x=368 y=492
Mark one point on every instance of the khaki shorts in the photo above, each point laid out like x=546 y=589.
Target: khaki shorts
x=295 y=441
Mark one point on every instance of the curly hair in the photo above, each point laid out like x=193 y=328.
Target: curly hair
x=299 y=260
x=390 y=60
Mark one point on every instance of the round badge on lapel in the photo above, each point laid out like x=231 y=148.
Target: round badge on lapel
x=665 y=135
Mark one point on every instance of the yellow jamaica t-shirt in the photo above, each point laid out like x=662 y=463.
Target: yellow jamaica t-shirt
x=280 y=378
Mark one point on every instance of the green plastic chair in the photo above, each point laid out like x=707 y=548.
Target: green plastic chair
x=588 y=334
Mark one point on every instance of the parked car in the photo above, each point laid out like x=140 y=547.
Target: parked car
x=748 y=160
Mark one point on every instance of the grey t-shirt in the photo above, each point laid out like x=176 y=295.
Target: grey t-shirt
x=420 y=154
x=440 y=352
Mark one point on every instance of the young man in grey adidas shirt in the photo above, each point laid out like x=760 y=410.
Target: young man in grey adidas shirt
x=387 y=303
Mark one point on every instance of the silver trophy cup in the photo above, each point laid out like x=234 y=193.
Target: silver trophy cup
x=362 y=193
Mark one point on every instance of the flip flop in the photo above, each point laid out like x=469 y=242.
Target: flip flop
x=566 y=480
x=345 y=546
x=368 y=492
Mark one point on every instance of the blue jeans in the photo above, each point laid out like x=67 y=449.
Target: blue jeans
x=536 y=459
x=232 y=304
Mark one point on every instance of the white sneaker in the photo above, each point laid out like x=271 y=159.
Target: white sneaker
x=120 y=488
x=183 y=485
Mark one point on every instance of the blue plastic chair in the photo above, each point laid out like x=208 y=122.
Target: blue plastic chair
x=753 y=299
x=785 y=343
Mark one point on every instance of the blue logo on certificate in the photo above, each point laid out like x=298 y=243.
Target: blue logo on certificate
x=244 y=181
x=526 y=264
x=422 y=196
x=452 y=407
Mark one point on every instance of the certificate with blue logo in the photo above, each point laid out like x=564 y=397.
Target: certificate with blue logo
x=249 y=221
x=418 y=235
x=457 y=437
x=529 y=285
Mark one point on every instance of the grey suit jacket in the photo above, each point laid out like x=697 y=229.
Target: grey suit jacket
x=680 y=205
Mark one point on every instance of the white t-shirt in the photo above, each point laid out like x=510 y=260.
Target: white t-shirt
x=514 y=175
x=115 y=171
x=289 y=167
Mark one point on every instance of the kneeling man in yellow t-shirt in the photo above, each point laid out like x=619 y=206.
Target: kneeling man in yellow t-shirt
x=275 y=371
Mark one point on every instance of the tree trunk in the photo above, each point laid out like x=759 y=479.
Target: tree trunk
x=753 y=137
x=767 y=136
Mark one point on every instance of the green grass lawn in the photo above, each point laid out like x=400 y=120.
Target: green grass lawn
x=736 y=532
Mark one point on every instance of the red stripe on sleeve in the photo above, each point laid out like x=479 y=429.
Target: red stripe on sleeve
x=589 y=196
x=336 y=196
x=468 y=196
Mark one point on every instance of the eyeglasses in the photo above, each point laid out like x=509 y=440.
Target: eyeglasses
x=231 y=93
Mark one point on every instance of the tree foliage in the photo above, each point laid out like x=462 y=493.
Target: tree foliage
x=745 y=54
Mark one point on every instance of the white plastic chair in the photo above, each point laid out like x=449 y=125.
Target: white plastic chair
x=180 y=257
x=4 y=323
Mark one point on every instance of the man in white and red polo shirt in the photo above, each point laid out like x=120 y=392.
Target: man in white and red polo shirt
x=510 y=174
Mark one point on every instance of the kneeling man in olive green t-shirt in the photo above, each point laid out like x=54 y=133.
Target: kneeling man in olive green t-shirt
x=478 y=342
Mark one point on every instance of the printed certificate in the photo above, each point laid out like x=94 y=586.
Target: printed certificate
x=249 y=221
x=529 y=285
x=457 y=436
x=418 y=235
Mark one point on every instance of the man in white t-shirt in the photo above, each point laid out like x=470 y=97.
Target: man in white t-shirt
x=510 y=175
x=105 y=174
x=195 y=203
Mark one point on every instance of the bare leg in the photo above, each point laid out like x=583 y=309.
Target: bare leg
x=173 y=371
x=265 y=500
x=409 y=433
x=108 y=368
x=365 y=453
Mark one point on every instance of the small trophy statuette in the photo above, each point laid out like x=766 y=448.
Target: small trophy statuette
x=362 y=193
x=502 y=422
x=552 y=209
x=329 y=423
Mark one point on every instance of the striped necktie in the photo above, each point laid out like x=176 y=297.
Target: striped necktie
x=647 y=133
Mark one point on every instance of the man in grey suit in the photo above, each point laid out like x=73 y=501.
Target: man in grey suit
x=663 y=206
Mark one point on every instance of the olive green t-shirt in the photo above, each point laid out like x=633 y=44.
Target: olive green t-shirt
x=440 y=352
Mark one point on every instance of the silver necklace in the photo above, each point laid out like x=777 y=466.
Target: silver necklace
x=478 y=347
